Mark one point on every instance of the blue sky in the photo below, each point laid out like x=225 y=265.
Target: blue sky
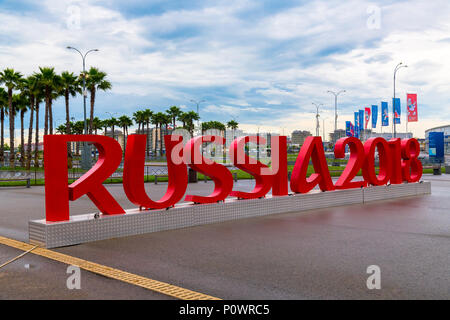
x=262 y=63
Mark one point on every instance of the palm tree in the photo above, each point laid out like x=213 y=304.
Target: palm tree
x=49 y=81
x=70 y=86
x=98 y=124
x=125 y=122
x=39 y=98
x=174 y=112
x=77 y=128
x=106 y=125
x=147 y=116
x=233 y=125
x=12 y=80
x=62 y=129
x=188 y=119
x=31 y=88
x=3 y=111
x=95 y=80
x=139 y=119
x=158 y=119
x=20 y=104
x=112 y=123
x=213 y=125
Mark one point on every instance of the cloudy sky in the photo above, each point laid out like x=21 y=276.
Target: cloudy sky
x=262 y=63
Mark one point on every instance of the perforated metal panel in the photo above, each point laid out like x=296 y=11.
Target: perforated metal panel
x=85 y=228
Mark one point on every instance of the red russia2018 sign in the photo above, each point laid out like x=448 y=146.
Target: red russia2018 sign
x=398 y=162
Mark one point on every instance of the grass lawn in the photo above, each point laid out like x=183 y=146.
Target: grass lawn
x=151 y=178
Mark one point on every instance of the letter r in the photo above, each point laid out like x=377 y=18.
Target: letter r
x=57 y=189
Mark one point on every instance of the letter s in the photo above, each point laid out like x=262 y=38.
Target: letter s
x=221 y=176
x=242 y=161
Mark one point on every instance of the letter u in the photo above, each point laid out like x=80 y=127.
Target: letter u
x=134 y=170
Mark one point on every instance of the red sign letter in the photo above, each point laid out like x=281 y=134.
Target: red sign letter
x=57 y=190
x=311 y=149
x=368 y=170
x=243 y=162
x=133 y=173
x=221 y=176
x=411 y=166
x=354 y=163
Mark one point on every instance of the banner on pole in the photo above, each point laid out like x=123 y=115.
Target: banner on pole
x=384 y=114
x=367 y=117
x=349 y=129
x=374 y=116
x=356 y=125
x=361 y=120
x=411 y=106
x=397 y=110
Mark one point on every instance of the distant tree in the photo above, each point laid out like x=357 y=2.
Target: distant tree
x=20 y=105
x=125 y=122
x=3 y=112
x=95 y=80
x=62 y=129
x=97 y=124
x=31 y=88
x=188 y=118
x=138 y=118
x=174 y=112
x=12 y=80
x=50 y=81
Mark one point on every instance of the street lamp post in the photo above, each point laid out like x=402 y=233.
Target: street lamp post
x=86 y=155
x=335 y=110
x=398 y=67
x=317 y=118
x=198 y=103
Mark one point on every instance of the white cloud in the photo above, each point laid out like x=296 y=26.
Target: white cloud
x=266 y=69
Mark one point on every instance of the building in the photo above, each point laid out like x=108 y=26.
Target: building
x=230 y=135
x=298 y=137
x=337 y=134
x=389 y=135
x=422 y=143
x=446 y=131
x=33 y=146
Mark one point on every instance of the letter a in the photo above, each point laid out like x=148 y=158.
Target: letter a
x=311 y=149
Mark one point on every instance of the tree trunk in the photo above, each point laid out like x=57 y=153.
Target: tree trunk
x=12 y=155
x=91 y=119
x=30 y=133
x=36 y=141
x=160 y=140
x=2 y=134
x=69 y=145
x=22 y=139
x=50 y=115
x=124 y=139
x=47 y=101
x=148 y=138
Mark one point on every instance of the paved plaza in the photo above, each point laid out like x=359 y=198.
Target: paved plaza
x=320 y=254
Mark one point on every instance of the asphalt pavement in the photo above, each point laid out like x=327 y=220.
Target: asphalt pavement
x=320 y=254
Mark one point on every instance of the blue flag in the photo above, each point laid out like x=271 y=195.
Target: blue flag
x=384 y=114
x=397 y=110
x=361 y=120
x=349 y=129
x=357 y=124
x=374 y=116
